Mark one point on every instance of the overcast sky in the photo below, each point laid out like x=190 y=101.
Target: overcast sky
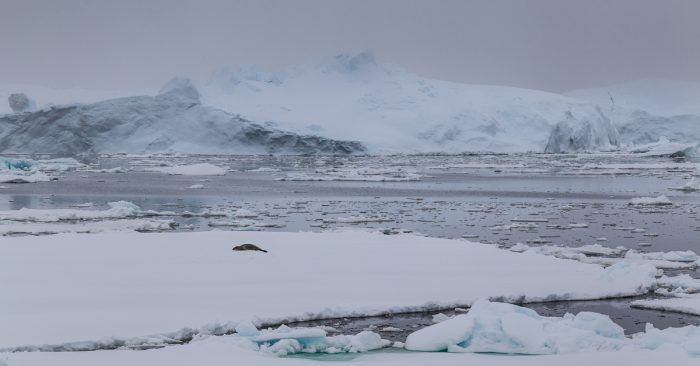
x=545 y=44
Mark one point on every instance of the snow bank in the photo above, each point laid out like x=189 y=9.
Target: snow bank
x=130 y=284
x=193 y=169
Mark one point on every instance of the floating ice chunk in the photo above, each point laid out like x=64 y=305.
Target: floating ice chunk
x=247 y=329
x=16 y=164
x=196 y=186
x=284 y=340
x=651 y=201
x=58 y=165
x=673 y=256
x=43 y=228
x=20 y=171
x=194 y=169
x=692 y=186
x=117 y=210
x=440 y=317
x=391 y=329
x=263 y=169
x=687 y=304
x=242 y=213
x=356 y=220
x=505 y=328
x=15 y=177
x=597 y=249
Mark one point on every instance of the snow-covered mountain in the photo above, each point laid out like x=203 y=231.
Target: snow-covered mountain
x=351 y=96
x=173 y=121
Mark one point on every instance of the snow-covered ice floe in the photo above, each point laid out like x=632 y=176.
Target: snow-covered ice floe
x=680 y=303
x=90 y=227
x=651 y=201
x=132 y=285
x=193 y=169
x=117 y=210
x=597 y=254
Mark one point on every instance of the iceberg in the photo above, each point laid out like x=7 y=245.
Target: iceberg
x=175 y=120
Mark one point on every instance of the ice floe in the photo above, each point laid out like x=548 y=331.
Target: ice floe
x=117 y=210
x=192 y=169
x=142 y=284
x=651 y=201
x=510 y=329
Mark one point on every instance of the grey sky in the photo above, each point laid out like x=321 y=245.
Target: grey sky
x=546 y=44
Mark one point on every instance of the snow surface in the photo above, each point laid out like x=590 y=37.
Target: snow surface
x=86 y=287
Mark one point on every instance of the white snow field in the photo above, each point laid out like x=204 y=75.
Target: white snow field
x=112 y=287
